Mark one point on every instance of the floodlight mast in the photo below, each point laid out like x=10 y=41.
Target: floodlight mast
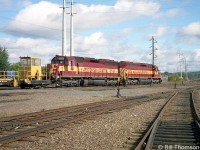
x=64 y=33
x=72 y=29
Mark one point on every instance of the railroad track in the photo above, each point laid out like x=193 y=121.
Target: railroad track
x=93 y=88
x=176 y=127
x=196 y=98
x=22 y=126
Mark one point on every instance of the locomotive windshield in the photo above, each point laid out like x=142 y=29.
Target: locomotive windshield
x=36 y=62
x=58 y=60
x=28 y=61
x=25 y=61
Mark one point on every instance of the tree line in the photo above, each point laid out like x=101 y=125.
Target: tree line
x=4 y=61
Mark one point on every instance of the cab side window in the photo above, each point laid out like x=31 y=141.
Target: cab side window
x=71 y=63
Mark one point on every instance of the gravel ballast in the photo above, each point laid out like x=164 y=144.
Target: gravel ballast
x=34 y=100
x=104 y=132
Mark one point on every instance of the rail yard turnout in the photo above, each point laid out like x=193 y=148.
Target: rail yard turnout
x=155 y=116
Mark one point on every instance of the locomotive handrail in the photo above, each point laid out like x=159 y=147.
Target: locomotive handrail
x=28 y=75
x=9 y=75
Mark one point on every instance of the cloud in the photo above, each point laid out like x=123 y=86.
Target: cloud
x=169 y=13
x=191 y=29
x=31 y=47
x=189 y=34
x=4 y=4
x=102 y=15
x=17 y=4
x=95 y=39
x=37 y=28
x=196 y=55
x=38 y=20
x=26 y=3
x=193 y=60
x=166 y=59
x=94 y=44
x=160 y=32
x=44 y=19
x=112 y=46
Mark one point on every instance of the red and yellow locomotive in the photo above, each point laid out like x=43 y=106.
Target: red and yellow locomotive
x=83 y=71
x=139 y=73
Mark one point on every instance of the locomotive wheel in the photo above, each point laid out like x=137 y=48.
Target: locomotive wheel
x=22 y=86
x=82 y=83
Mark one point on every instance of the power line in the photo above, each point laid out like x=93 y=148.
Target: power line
x=136 y=9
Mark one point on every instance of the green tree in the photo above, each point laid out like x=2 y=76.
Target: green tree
x=4 y=64
x=174 y=78
x=14 y=66
x=166 y=73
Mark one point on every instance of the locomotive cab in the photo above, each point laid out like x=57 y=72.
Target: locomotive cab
x=30 y=73
x=57 y=67
x=30 y=68
x=156 y=74
x=62 y=67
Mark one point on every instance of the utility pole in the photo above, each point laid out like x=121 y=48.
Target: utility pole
x=153 y=49
x=153 y=54
x=180 y=61
x=64 y=33
x=186 y=75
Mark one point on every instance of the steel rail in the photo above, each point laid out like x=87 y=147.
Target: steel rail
x=29 y=132
x=38 y=117
x=65 y=119
x=69 y=108
x=38 y=114
x=31 y=118
x=142 y=142
x=170 y=123
x=53 y=115
x=195 y=109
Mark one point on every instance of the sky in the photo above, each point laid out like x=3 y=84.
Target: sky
x=110 y=29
